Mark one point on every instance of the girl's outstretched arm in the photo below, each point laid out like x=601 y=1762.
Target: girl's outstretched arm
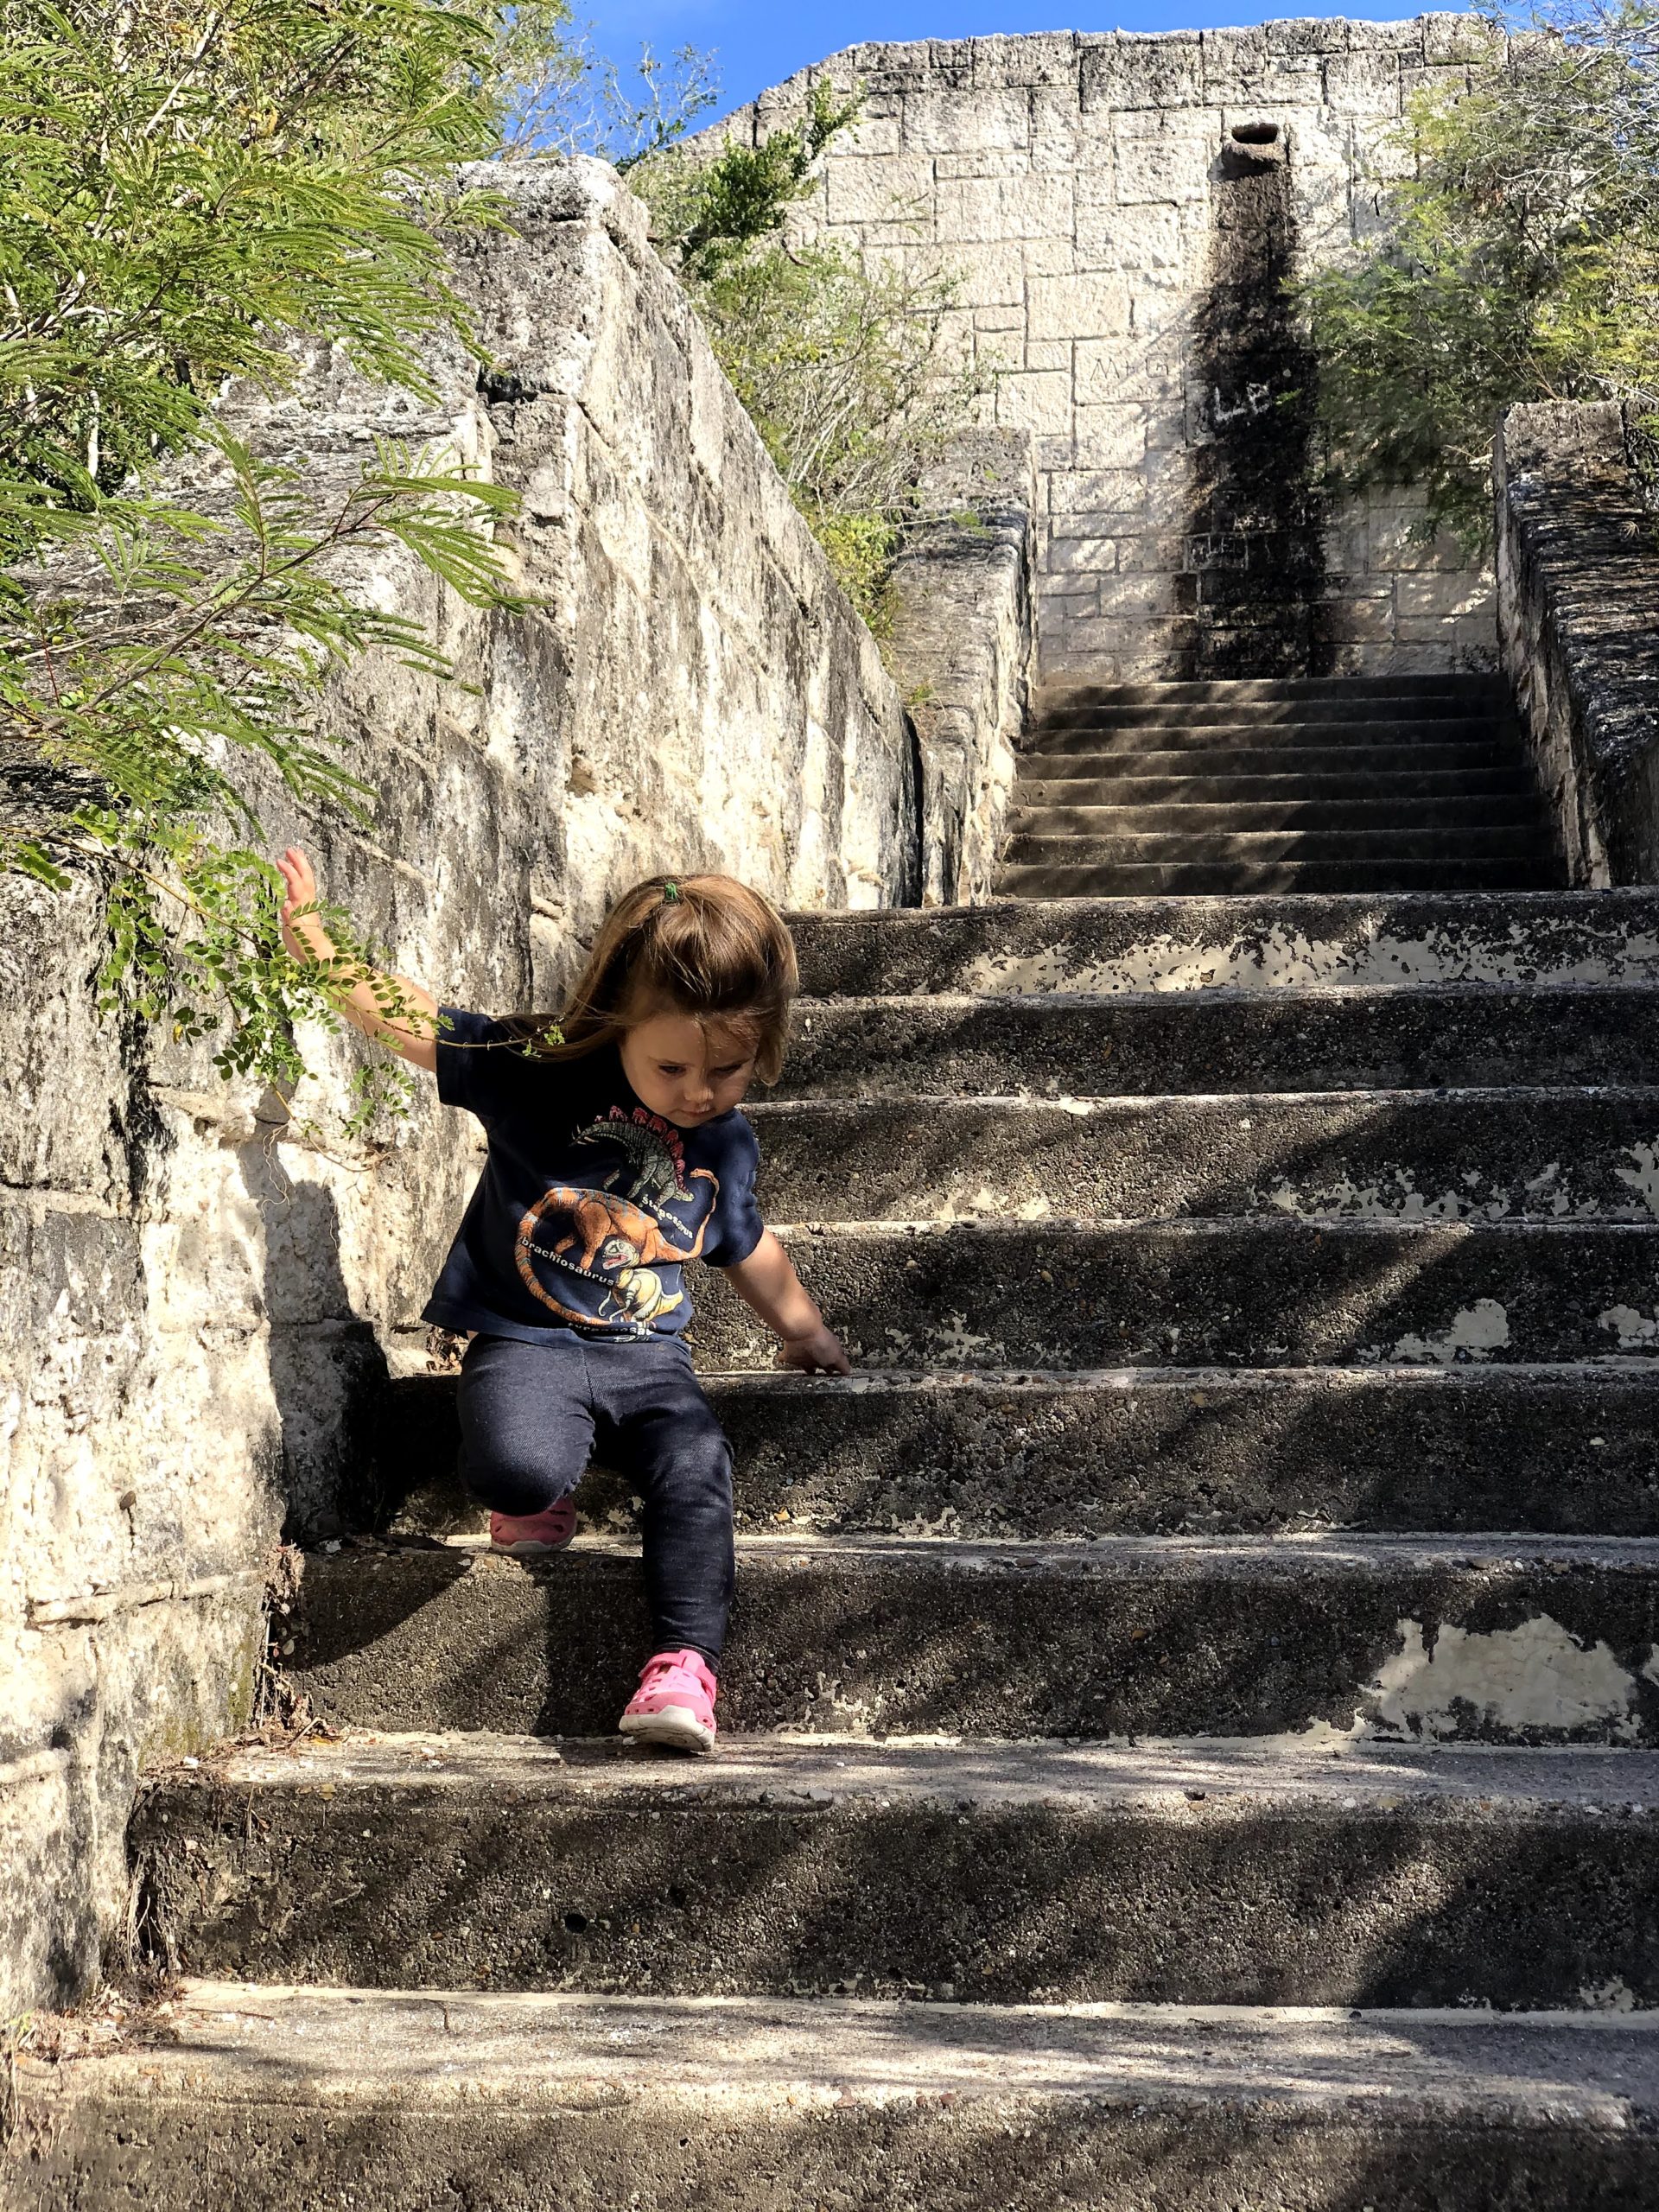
x=767 y=1281
x=362 y=996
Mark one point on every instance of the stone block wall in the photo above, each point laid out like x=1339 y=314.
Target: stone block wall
x=1077 y=185
x=1578 y=611
x=962 y=642
x=205 y=1293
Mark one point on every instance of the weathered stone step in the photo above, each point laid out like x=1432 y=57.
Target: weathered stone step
x=1406 y=817
x=1548 y=1154
x=287 y=2098
x=1501 y=1638
x=1104 y=770
x=1240 y=879
x=1203 y=756
x=1380 y=792
x=1380 y=723
x=999 y=1874
x=1054 y=709
x=1018 y=947
x=1204 y=843
x=1136 y=1452
x=1482 y=693
x=1363 y=1037
x=1213 y=1294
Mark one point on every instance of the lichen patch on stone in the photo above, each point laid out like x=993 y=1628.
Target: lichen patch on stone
x=1536 y=1680
x=1643 y=1174
x=1635 y=1331
x=1474 y=1332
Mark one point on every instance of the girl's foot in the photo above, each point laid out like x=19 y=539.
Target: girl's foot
x=674 y=1704
x=523 y=1535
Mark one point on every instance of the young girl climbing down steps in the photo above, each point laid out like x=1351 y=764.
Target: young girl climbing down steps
x=616 y=1153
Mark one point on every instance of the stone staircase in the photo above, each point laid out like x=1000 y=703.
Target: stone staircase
x=1194 y=1708
x=1397 y=782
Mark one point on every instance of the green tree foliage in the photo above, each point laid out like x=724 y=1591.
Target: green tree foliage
x=845 y=369
x=186 y=189
x=193 y=195
x=1521 y=262
x=739 y=198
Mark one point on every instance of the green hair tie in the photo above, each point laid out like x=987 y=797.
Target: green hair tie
x=670 y=892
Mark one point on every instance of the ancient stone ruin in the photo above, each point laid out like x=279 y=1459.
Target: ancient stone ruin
x=1117 y=211
x=1192 y=1724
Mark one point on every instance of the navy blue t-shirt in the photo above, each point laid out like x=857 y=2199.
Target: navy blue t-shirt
x=588 y=1202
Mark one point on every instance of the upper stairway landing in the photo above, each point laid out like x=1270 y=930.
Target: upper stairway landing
x=1391 y=784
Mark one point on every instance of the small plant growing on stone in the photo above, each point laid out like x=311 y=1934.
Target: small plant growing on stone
x=847 y=370
x=556 y=94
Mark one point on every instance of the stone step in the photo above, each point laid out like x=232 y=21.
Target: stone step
x=1360 y=1037
x=1548 y=1154
x=1380 y=792
x=296 y=2095
x=1201 y=1450
x=988 y=1873
x=1509 y=1638
x=1238 y=879
x=1300 y=763
x=1408 y=817
x=1212 y=1294
x=1075 y=710
x=1201 y=845
x=1486 y=694
x=1138 y=1451
x=1015 y=948
x=1382 y=724
x=1134 y=1452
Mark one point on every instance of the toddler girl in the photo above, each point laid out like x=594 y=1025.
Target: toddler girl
x=616 y=1153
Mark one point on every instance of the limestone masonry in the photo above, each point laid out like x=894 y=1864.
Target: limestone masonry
x=1578 y=621
x=1086 y=190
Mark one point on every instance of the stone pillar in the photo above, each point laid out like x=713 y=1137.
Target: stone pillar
x=1252 y=586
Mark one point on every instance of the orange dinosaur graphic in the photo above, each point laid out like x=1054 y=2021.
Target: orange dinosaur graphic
x=622 y=1238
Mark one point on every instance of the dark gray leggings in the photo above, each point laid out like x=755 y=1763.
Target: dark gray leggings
x=530 y=1417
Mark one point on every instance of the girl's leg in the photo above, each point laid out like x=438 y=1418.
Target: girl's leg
x=526 y=1426
x=657 y=1428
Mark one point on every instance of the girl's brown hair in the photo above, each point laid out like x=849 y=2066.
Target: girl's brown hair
x=703 y=946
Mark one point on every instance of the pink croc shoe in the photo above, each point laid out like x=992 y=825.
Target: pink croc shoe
x=525 y=1536
x=674 y=1704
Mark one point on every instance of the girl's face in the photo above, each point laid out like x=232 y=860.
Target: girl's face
x=684 y=1070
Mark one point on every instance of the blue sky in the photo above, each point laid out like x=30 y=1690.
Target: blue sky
x=760 y=43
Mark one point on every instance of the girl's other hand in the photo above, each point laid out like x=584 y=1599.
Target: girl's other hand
x=818 y=1352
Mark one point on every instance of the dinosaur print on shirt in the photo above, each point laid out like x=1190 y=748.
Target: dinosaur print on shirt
x=589 y=1205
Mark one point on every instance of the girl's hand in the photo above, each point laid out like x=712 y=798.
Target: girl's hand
x=300 y=881
x=767 y=1282
x=817 y=1352
x=360 y=992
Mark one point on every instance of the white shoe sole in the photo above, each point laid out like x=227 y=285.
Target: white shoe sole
x=527 y=1548
x=676 y=1728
